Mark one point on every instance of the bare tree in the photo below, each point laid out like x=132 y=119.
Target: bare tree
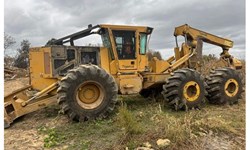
x=152 y=53
x=8 y=41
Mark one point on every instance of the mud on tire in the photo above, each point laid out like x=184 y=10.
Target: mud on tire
x=184 y=90
x=224 y=86
x=87 y=92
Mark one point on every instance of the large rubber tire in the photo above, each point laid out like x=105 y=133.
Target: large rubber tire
x=184 y=90
x=224 y=86
x=77 y=82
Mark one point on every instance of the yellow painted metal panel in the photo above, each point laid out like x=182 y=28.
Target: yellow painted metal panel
x=104 y=59
x=130 y=84
x=39 y=79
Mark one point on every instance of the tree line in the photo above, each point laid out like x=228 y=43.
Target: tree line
x=21 y=59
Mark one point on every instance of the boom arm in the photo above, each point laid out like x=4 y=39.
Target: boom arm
x=195 y=34
x=193 y=42
x=71 y=38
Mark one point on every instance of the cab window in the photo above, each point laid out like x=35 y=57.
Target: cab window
x=143 y=43
x=125 y=44
x=107 y=43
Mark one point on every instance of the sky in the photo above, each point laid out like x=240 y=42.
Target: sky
x=39 y=21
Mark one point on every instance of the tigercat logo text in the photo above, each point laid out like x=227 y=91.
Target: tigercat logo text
x=124 y=66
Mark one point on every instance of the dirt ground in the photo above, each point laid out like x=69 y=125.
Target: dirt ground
x=23 y=133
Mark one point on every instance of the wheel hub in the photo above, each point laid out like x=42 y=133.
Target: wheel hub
x=89 y=95
x=231 y=87
x=191 y=91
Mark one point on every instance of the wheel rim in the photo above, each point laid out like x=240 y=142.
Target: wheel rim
x=89 y=95
x=231 y=87
x=191 y=91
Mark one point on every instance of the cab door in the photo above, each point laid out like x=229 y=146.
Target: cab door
x=125 y=48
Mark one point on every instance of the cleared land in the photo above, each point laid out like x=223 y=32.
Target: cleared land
x=135 y=122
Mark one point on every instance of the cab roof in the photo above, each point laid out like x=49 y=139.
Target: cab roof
x=145 y=29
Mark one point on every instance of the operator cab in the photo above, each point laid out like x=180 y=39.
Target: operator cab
x=127 y=45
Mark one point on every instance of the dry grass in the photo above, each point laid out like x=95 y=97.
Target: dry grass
x=139 y=121
x=135 y=122
x=127 y=121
